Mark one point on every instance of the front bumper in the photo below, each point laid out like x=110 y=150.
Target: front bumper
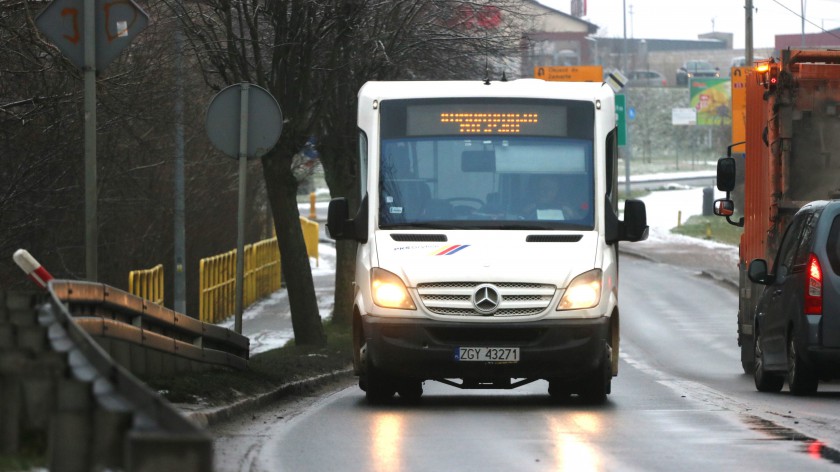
x=425 y=349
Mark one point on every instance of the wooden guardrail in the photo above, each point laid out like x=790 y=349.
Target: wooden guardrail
x=147 y=283
x=61 y=384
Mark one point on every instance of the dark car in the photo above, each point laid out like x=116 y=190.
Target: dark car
x=797 y=319
x=695 y=68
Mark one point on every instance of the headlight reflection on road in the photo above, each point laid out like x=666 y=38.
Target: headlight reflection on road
x=387 y=442
x=572 y=451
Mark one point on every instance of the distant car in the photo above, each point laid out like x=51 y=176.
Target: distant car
x=797 y=327
x=741 y=61
x=646 y=78
x=695 y=68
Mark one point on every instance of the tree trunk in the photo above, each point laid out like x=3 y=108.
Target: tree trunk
x=345 y=274
x=340 y=164
x=281 y=188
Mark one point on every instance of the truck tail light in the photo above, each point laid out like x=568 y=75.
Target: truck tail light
x=813 y=287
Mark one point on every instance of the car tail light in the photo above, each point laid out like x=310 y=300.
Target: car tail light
x=813 y=287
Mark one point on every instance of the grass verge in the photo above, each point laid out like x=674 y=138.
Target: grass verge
x=266 y=371
x=31 y=456
x=714 y=228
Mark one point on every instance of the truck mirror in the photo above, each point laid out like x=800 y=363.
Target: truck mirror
x=757 y=272
x=634 y=226
x=337 y=215
x=724 y=207
x=726 y=174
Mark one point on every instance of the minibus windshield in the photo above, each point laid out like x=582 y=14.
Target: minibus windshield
x=510 y=165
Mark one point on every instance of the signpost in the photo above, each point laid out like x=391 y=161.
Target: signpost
x=570 y=73
x=91 y=33
x=683 y=116
x=621 y=124
x=616 y=80
x=620 y=119
x=243 y=121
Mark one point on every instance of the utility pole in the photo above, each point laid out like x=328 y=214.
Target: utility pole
x=179 y=279
x=91 y=218
x=748 y=37
x=624 y=54
x=802 y=17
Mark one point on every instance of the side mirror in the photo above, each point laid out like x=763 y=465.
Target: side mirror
x=634 y=227
x=724 y=207
x=757 y=272
x=337 y=219
x=726 y=174
x=339 y=226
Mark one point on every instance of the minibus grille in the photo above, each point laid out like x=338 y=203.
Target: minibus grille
x=516 y=299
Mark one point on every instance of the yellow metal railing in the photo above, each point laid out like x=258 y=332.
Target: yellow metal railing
x=217 y=285
x=262 y=270
x=310 y=237
x=217 y=275
x=147 y=283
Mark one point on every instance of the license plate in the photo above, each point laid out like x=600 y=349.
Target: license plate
x=487 y=354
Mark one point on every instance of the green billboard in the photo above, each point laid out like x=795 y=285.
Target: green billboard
x=712 y=98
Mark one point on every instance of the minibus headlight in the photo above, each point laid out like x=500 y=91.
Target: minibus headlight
x=583 y=292
x=389 y=291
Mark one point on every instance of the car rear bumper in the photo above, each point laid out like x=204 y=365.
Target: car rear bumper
x=426 y=349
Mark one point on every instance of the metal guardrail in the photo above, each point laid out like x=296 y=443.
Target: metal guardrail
x=60 y=383
x=217 y=279
x=217 y=274
x=121 y=321
x=147 y=283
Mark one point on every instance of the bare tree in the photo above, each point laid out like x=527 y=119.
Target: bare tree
x=313 y=56
x=399 y=40
x=41 y=180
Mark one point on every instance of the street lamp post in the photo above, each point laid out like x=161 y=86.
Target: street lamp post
x=624 y=45
x=748 y=36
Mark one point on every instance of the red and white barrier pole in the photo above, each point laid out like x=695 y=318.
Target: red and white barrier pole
x=32 y=268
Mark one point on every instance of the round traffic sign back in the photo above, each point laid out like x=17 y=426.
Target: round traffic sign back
x=264 y=120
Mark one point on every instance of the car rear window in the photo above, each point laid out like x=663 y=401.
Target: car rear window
x=806 y=240
x=833 y=248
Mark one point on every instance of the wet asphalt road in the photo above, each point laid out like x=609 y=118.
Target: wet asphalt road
x=680 y=402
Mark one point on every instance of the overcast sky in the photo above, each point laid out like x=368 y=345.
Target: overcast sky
x=682 y=19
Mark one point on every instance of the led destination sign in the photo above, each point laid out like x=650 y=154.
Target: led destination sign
x=486 y=117
x=490 y=123
x=530 y=119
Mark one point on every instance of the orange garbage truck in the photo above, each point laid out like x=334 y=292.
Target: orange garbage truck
x=792 y=157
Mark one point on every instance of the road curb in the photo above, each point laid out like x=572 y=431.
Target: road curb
x=706 y=273
x=633 y=253
x=214 y=415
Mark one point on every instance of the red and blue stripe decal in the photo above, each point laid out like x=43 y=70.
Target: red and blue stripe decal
x=448 y=251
